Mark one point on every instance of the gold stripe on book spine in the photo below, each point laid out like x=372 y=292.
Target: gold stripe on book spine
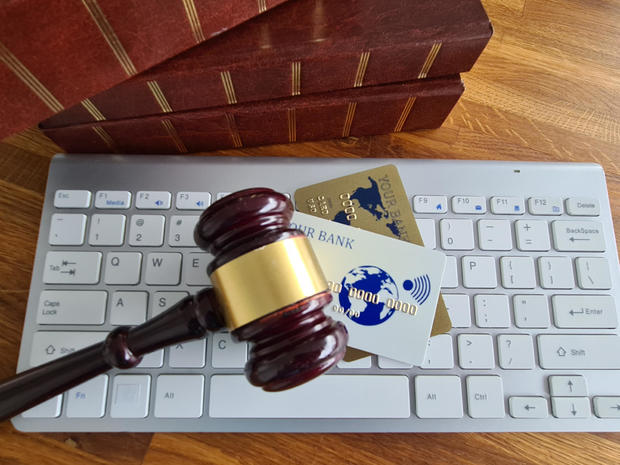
x=92 y=109
x=194 y=20
x=105 y=137
x=231 y=97
x=346 y=130
x=296 y=78
x=405 y=114
x=174 y=135
x=361 y=69
x=234 y=133
x=262 y=6
x=110 y=36
x=430 y=59
x=159 y=96
x=292 y=125
x=24 y=74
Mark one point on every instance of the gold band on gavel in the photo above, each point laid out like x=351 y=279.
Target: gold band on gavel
x=267 y=279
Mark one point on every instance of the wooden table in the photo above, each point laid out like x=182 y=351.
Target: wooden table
x=547 y=87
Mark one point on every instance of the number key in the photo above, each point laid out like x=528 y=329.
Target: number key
x=146 y=230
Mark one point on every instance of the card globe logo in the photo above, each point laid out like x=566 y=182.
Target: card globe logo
x=372 y=289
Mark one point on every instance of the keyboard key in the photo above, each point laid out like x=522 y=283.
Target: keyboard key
x=531 y=311
x=364 y=362
x=430 y=204
x=476 y=351
x=570 y=407
x=152 y=359
x=458 y=309
x=328 y=396
x=479 y=272
x=528 y=407
x=163 y=269
x=88 y=399
x=228 y=354
x=582 y=206
x=388 y=363
x=146 y=230
x=607 y=407
x=113 y=199
x=556 y=273
x=49 y=345
x=195 y=269
x=507 y=205
x=439 y=354
x=193 y=200
x=122 y=268
x=67 y=229
x=67 y=307
x=438 y=397
x=568 y=386
x=130 y=396
x=468 y=204
x=545 y=206
x=485 y=397
x=48 y=409
x=457 y=234
x=179 y=396
x=492 y=311
x=578 y=236
x=427 y=231
x=593 y=273
x=188 y=354
x=532 y=235
x=107 y=230
x=579 y=351
x=164 y=300
x=128 y=308
x=518 y=272
x=153 y=200
x=584 y=311
x=450 y=278
x=494 y=235
x=72 y=267
x=516 y=351
x=181 y=232
x=72 y=199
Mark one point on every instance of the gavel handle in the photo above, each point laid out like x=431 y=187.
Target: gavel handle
x=124 y=347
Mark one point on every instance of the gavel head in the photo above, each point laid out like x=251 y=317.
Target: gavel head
x=269 y=288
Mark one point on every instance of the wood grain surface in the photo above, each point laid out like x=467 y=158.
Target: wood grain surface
x=546 y=88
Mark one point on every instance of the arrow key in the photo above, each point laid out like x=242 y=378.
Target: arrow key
x=568 y=386
x=607 y=407
x=528 y=407
x=570 y=407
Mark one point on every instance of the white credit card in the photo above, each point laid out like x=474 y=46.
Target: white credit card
x=384 y=290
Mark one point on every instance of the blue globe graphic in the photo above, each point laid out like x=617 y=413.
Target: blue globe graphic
x=374 y=280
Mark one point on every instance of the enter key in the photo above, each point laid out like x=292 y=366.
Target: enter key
x=584 y=311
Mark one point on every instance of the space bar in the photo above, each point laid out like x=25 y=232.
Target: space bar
x=329 y=396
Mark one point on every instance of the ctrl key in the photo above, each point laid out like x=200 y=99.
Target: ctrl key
x=130 y=396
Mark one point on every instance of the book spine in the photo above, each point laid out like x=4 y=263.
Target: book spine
x=76 y=49
x=354 y=112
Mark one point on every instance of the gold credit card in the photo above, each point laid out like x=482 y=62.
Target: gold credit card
x=374 y=200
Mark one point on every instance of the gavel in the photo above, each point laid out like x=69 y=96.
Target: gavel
x=268 y=289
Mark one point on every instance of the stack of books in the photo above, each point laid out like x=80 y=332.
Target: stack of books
x=304 y=70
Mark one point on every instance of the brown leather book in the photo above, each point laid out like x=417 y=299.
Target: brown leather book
x=419 y=104
x=304 y=47
x=56 y=53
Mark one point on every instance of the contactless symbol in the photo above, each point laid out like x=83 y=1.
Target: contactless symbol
x=420 y=288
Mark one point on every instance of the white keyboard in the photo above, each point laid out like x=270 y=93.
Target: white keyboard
x=532 y=288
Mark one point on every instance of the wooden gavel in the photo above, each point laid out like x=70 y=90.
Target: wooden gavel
x=268 y=289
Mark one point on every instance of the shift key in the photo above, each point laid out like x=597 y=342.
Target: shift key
x=50 y=345
x=568 y=351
